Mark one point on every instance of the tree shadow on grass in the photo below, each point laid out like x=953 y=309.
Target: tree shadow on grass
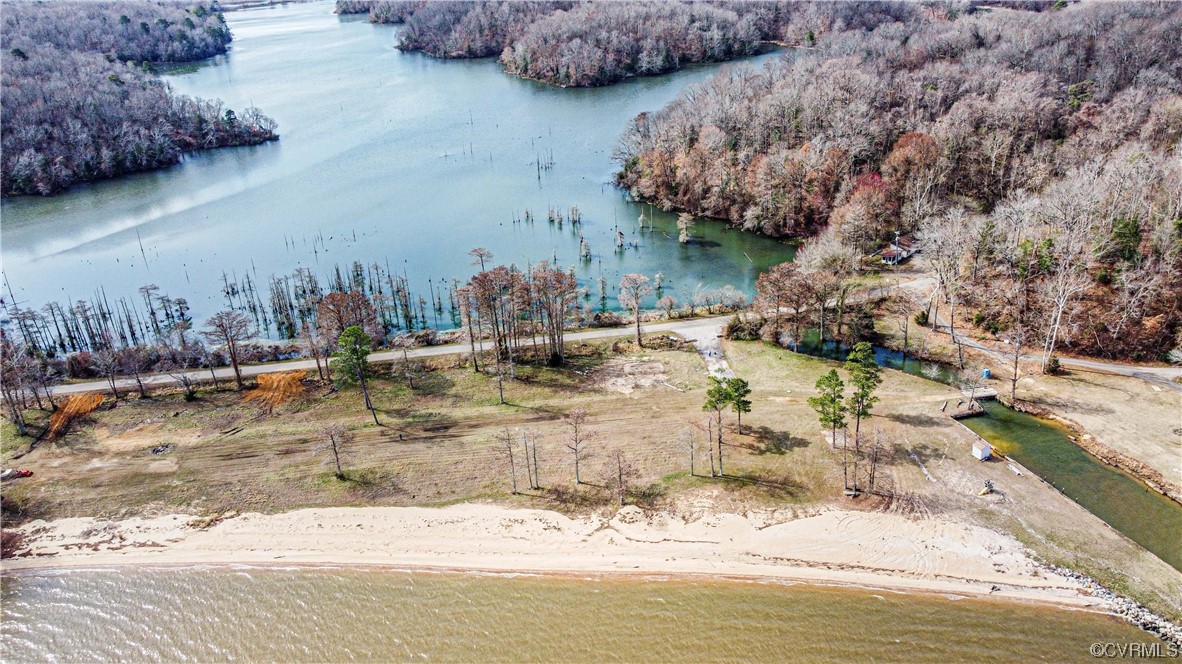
x=584 y=495
x=434 y=383
x=770 y=441
x=916 y=420
x=777 y=486
x=923 y=452
x=368 y=483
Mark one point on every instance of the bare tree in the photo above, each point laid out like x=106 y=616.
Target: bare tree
x=1016 y=340
x=505 y=438
x=579 y=438
x=1059 y=296
x=12 y=383
x=945 y=240
x=479 y=256
x=106 y=363
x=311 y=340
x=633 y=288
x=336 y=444
x=621 y=476
x=229 y=328
x=135 y=361
x=180 y=363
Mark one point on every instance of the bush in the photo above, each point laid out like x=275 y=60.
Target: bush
x=606 y=319
x=742 y=330
x=79 y=365
x=10 y=542
x=921 y=318
x=1053 y=366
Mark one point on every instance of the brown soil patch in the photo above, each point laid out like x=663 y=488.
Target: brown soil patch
x=626 y=375
x=138 y=438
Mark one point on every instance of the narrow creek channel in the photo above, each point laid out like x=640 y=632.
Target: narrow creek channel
x=1046 y=449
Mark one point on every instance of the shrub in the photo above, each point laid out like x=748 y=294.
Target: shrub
x=1053 y=366
x=742 y=330
x=10 y=542
x=79 y=365
x=921 y=318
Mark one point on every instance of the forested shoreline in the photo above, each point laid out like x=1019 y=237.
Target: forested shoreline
x=81 y=102
x=1034 y=155
x=583 y=44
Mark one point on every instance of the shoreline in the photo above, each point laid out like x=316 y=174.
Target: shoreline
x=823 y=548
x=568 y=574
x=1087 y=442
x=829 y=547
x=1077 y=434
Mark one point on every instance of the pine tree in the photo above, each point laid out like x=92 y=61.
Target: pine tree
x=866 y=376
x=738 y=391
x=352 y=355
x=829 y=402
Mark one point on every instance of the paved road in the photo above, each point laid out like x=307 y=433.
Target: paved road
x=702 y=331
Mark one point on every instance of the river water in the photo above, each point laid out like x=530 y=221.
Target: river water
x=343 y=615
x=1046 y=449
x=1145 y=516
x=383 y=156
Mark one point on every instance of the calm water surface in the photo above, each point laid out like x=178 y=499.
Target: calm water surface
x=1045 y=448
x=274 y=615
x=386 y=156
x=1146 y=517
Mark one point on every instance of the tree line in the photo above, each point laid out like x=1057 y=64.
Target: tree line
x=1040 y=176
x=584 y=44
x=81 y=102
x=510 y=314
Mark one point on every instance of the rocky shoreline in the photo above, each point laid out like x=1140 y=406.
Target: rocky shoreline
x=1130 y=610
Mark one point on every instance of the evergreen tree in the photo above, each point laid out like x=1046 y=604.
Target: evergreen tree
x=718 y=397
x=866 y=376
x=737 y=392
x=829 y=402
x=352 y=356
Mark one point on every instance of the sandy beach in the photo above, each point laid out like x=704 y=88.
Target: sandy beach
x=876 y=550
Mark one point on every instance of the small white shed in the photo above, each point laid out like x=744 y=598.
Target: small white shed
x=982 y=450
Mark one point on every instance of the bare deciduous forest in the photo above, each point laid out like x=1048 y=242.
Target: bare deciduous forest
x=81 y=102
x=581 y=44
x=1037 y=152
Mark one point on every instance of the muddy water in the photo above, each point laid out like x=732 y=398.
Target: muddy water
x=337 y=615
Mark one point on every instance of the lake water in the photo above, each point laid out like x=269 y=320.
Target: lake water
x=341 y=615
x=386 y=156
